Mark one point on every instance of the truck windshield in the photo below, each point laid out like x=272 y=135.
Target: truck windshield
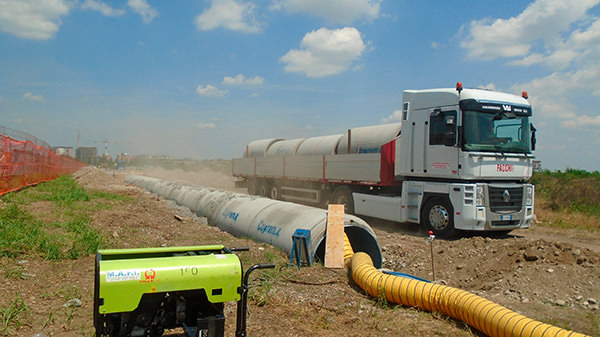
x=496 y=132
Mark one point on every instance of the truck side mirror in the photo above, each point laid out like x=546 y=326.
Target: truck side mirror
x=533 y=140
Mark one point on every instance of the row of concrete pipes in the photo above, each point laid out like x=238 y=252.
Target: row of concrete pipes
x=275 y=222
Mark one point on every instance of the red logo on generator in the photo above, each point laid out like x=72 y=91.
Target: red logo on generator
x=149 y=276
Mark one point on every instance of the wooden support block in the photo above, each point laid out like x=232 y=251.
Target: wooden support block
x=334 y=240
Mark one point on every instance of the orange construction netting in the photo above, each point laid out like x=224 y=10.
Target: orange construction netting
x=24 y=164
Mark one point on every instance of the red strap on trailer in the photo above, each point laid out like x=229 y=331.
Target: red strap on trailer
x=388 y=161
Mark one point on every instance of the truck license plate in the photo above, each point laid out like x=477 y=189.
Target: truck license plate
x=506 y=217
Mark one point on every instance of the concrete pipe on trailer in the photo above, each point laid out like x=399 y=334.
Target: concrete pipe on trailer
x=264 y=220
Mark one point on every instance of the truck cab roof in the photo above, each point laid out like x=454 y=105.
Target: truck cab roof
x=425 y=99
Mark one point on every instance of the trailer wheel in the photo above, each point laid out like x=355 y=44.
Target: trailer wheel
x=275 y=192
x=343 y=195
x=252 y=187
x=263 y=188
x=438 y=216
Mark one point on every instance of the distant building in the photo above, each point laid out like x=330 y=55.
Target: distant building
x=537 y=165
x=87 y=155
x=64 y=151
x=124 y=157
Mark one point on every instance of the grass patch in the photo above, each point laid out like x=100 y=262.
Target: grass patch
x=22 y=233
x=10 y=316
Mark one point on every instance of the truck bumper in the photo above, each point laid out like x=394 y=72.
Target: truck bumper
x=484 y=218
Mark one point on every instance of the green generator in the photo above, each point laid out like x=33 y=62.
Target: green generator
x=143 y=291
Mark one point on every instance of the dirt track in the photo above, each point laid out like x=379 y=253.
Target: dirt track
x=546 y=274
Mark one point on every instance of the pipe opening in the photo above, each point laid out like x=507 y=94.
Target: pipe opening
x=360 y=240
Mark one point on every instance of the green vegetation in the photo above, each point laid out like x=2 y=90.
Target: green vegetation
x=10 y=316
x=70 y=237
x=571 y=190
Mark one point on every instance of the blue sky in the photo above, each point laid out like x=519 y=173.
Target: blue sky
x=202 y=78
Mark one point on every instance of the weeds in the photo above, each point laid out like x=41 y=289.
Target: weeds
x=20 y=233
x=595 y=321
x=11 y=272
x=572 y=190
x=10 y=316
x=262 y=290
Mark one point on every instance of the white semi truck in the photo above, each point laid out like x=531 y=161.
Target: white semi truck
x=459 y=159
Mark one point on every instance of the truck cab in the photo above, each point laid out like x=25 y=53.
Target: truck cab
x=465 y=155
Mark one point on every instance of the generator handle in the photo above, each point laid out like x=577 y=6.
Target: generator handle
x=242 y=308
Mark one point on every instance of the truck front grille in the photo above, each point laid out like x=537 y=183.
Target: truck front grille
x=504 y=200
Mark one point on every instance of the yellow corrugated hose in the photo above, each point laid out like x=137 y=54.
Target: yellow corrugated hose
x=478 y=312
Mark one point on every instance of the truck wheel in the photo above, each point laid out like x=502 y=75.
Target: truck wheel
x=275 y=192
x=252 y=187
x=438 y=216
x=343 y=195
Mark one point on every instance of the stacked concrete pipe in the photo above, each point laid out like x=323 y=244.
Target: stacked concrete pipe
x=264 y=220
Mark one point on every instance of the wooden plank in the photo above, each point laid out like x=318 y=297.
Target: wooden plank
x=334 y=240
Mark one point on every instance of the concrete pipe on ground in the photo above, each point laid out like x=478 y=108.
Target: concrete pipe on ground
x=264 y=220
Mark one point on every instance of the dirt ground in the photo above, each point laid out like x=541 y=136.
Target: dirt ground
x=545 y=273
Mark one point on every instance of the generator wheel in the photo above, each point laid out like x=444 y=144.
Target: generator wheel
x=343 y=195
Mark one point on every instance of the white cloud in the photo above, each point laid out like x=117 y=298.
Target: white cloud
x=561 y=36
x=325 y=52
x=101 y=7
x=241 y=79
x=396 y=116
x=32 y=19
x=489 y=86
x=210 y=91
x=582 y=122
x=229 y=14
x=206 y=125
x=141 y=7
x=31 y=97
x=334 y=11
x=542 y=20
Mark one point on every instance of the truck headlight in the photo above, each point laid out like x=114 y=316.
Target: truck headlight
x=529 y=195
x=479 y=197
